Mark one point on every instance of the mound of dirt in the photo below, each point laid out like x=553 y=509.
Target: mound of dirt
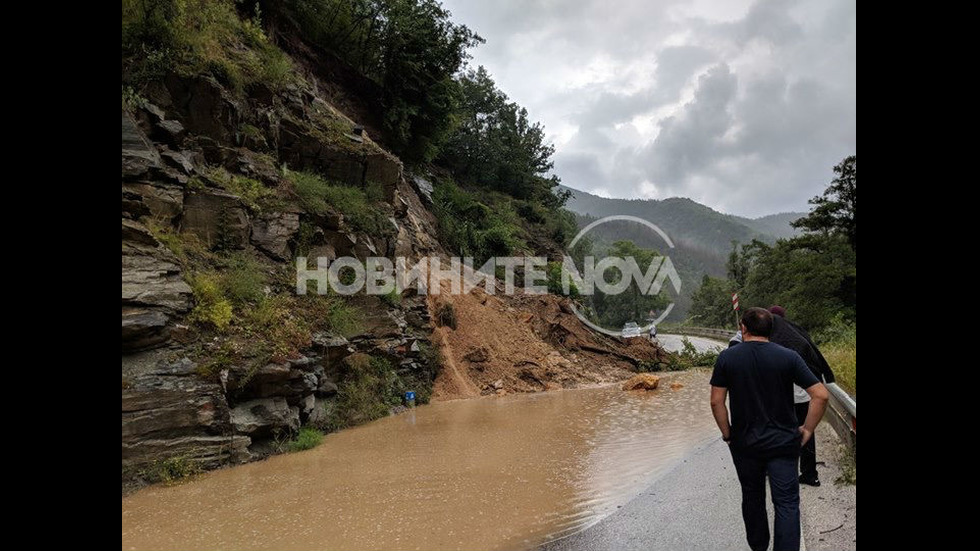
x=526 y=343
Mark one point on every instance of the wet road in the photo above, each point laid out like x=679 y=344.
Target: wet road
x=695 y=506
x=673 y=343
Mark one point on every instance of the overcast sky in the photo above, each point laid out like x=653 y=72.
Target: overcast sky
x=742 y=106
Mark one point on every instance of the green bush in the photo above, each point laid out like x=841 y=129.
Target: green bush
x=242 y=280
x=393 y=299
x=343 y=319
x=307 y=439
x=253 y=193
x=211 y=308
x=689 y=357
x=366 y=393
x=170 y=470
x=317 y=196
x=194 y=37
x=838 y=344
x=554 y=281
x=469 y=227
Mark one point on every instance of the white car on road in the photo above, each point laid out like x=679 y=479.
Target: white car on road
x=631 y=329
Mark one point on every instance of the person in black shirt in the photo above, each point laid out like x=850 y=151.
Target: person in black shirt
x=764 y=436
x=794 y=337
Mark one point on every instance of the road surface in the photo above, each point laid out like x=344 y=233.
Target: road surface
x=673 y=343
x=696 y=506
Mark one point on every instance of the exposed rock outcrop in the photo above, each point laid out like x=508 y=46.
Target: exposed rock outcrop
x=171 y=412
x=217 y=218
x=273 y=231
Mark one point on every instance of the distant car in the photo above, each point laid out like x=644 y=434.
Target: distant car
x=631 y=329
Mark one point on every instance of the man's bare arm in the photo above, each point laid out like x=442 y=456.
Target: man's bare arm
x=818 y=405
x=718 y=409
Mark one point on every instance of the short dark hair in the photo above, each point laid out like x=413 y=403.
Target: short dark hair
x=758 y=322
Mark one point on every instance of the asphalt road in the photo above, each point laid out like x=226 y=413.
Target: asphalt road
x=695 y=506
x=672 y=343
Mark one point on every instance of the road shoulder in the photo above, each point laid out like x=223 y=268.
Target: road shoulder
x=829 y=513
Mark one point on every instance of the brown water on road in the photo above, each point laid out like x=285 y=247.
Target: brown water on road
x=490 y=473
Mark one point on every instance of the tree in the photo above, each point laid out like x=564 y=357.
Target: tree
x=812 y=276
x=410 y=48
x=711 y=304
x=632 y=304
x=496 y=146
x=836 y=210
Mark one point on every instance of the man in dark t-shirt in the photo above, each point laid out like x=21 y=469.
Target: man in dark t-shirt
x=763 y=435
x=792 y=336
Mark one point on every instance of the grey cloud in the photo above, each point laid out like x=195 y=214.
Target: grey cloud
x=768 y=20
x=773 y=107
x=692 y=139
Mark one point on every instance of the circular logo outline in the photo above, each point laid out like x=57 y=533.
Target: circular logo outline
x=613 y=218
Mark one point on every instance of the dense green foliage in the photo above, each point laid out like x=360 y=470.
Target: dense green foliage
x=359 y=206
x=194 y=37
x=371 y=387
x=838 y=343
x=836 y=210
x=813 y=276
x=469 y=227
x=711 y=304
x=689 y=357
x=612 y=311
x=495 y=145
x=411 y=48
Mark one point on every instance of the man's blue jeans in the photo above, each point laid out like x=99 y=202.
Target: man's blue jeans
x=785 y=487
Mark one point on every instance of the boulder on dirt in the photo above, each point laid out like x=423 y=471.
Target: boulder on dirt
x=676 y=386
x=643 y=381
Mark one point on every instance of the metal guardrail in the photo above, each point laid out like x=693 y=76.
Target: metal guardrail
x=842 y=414
x=711 y=332
x=841 y=409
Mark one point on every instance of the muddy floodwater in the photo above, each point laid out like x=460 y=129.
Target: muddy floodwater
x=490 y=473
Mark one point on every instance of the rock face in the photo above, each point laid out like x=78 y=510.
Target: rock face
x=272 y=232
x=143 y=328
x=160 y=201
x=138 y=154
x=170 y=412
x=153 y=291
x=273 y=380
x=217 y=218
x=264 y=416
x=643 y=381
x=235 y=407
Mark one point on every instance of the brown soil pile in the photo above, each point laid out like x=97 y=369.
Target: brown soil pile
x=526 y=343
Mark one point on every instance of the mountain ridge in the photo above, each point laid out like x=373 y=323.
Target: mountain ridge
x=582 y=202
x=702 y=236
